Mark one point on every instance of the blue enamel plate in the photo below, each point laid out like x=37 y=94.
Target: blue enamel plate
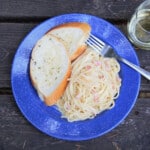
x=48 y=119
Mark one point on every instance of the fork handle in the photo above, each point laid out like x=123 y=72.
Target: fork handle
x=143 y=72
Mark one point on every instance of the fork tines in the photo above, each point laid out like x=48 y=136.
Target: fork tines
x=95 y=43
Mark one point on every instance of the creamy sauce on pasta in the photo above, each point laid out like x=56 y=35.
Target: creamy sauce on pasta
x=93 y=87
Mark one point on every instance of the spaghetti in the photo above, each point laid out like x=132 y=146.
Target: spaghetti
x=92 y=87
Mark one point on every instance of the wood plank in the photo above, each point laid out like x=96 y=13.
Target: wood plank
x=17 y=133
x=11 y=35
x=143 y=56
x=20 y=9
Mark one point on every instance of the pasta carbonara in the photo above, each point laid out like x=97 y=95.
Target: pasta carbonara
x=92 y=87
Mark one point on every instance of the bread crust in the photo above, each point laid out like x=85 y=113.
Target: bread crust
x=80 y=25
x=52 y=98
x=59 y=90
x=84 y=26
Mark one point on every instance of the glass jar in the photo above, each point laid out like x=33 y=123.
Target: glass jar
x=139 y=26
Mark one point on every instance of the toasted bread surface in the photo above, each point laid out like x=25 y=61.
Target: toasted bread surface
x=73 y=35
x=50 y=68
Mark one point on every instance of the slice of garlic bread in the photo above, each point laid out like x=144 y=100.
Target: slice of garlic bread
x=73 y=35
x=50 y=68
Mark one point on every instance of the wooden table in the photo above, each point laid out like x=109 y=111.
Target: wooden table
x=17 y=18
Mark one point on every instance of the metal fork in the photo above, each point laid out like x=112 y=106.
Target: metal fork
x=107 y=51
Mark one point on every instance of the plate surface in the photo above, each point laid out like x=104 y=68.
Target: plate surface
x=48 y=119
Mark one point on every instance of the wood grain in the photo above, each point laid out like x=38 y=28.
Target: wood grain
x=17 y=133
x=11 y=35
x=31 y=10
x=17 y=19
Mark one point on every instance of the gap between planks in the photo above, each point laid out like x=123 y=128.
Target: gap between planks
x=41 y=19
x=8 y=91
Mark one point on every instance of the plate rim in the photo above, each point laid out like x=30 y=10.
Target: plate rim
x=68 y=138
